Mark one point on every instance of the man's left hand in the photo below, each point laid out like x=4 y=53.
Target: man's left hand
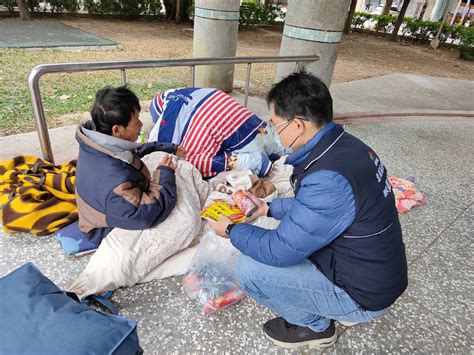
x=221 y=225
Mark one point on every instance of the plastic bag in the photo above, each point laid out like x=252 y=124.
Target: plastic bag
x=211 y=279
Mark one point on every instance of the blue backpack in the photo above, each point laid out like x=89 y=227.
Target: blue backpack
x=36 y=317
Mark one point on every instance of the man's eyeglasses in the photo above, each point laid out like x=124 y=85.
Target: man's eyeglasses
x=287 y=123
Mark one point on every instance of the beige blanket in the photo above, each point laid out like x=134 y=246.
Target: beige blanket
x=125 y=257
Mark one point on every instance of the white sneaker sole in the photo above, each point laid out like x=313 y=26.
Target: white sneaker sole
x=347 y=324
x=318 y=343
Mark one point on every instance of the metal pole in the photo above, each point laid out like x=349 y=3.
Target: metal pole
x=123 y=77
x=247 y=84
x=193 y=75
x=38 y=112
x=435 y=41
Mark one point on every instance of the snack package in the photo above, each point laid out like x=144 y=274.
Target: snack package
x=221 y=206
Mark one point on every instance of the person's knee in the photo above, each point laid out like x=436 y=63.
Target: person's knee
x=245 y=270
x=246 y=273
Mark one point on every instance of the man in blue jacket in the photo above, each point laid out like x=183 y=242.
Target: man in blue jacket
x=338 y=252
x=113 y=186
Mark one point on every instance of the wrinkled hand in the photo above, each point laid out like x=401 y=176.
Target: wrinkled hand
x=181 y=152
x=221 y=225
x=262 y=207
x=168 y=161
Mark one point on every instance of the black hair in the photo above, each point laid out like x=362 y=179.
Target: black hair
x=302 y=94
x=113 y=106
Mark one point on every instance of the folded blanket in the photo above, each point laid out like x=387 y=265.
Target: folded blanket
x=36 y=196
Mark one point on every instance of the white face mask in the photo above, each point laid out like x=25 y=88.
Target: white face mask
x=276 y=137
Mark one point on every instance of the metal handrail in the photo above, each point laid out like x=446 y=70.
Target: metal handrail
x=40 y=70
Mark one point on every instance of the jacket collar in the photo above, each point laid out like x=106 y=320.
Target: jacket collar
x=321 y=148
x=117 y=148
x=301 y=154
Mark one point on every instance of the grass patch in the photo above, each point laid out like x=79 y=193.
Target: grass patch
x=69 y=92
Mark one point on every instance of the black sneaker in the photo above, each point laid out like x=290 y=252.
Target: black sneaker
x=290 y=336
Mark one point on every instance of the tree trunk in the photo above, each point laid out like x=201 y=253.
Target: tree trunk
x=350 y=15
x=386 y=8
x=423 y=10
x=401 y=15
x=24 y=11
x=177 y=17
x=386 y=11
x=170 y=8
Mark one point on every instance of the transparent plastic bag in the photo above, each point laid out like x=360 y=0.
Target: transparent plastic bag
x=210 y=280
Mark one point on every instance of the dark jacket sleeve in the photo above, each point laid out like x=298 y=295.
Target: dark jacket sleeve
x=322 y=210
x=130 y=208
x=151 y=147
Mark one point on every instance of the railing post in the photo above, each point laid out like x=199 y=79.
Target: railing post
x=247 y=84
x=40 y=119
x=193 y=75
x=123 y=77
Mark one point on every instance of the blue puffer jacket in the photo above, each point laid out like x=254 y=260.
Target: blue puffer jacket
x=322 y=210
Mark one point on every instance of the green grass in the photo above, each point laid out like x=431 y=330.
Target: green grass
x=15 y=106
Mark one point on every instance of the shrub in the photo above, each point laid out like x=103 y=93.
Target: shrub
x=9 y=4
x=418 y=29
x=360 y=18
x=385 y=22
x=126 y=8
x=70 y=6
x=253 y=13
x=466 y=36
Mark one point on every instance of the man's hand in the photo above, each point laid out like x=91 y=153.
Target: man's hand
x=262 y=207
x=168 y=161
x=181 y=152
x=221 y=225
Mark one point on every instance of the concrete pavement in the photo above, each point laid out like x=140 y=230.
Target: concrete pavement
x=433 y=316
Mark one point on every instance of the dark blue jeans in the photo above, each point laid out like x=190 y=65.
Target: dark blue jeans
x=301 y=294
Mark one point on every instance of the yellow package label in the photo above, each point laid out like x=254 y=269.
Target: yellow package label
x=225 y=208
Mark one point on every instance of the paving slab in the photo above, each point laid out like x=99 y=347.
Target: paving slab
x=441 y=278
x=48 y=34
x=403 y=91
x=406 y=328
x=17 y=249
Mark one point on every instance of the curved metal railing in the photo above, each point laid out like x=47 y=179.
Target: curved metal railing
x=122 y=66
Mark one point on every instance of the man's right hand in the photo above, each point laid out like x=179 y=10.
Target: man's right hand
x=168 y=161
x=262 y=207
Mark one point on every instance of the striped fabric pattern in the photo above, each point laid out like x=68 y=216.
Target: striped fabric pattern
x=208 y=123
x=206 y=132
